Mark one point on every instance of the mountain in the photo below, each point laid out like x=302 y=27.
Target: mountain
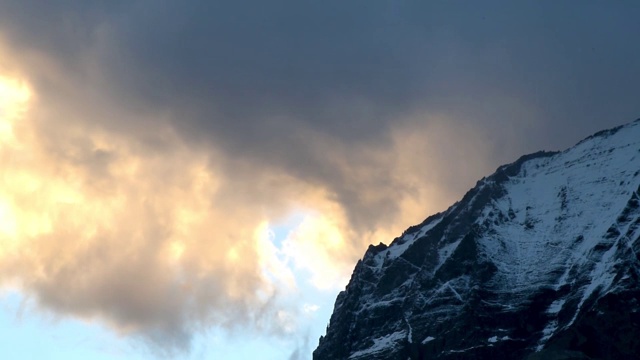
x=540 y=260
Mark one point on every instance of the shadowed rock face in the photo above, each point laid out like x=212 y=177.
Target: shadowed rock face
x=540 y=260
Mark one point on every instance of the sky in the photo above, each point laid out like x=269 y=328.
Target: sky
x=197 y=179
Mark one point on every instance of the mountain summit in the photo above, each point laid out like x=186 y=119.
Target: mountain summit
x=540 y=260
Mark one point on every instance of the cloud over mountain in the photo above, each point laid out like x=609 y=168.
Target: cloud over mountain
x=159 y=138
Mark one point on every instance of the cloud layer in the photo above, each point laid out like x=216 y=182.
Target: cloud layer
x=146 y=146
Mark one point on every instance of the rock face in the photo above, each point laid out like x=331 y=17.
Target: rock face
x=540 y=260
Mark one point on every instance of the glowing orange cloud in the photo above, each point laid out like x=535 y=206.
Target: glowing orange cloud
x=159 y=237
x=96 y=226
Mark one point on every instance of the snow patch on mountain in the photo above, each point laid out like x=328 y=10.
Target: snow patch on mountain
x=379 y=345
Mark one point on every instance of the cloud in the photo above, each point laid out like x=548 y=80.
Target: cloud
x=100 y=229
x=155 y=141
x=312 y=89
x=318 y=246
x=310 y=308
x=149 y=239
x=162 y=241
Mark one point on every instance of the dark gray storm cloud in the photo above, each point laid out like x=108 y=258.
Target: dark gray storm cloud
x=236 y=70
x=336 y=94
x=258 y=79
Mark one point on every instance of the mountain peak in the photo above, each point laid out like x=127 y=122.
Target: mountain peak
x=539 y=260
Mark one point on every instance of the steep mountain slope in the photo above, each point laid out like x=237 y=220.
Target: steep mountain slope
x=539 y=260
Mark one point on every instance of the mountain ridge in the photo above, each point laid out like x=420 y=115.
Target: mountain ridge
x=531 y=262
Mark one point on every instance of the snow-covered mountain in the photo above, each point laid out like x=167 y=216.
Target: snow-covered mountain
x=540 y=260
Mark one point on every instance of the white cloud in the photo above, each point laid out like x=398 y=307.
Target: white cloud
x=310 y=308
